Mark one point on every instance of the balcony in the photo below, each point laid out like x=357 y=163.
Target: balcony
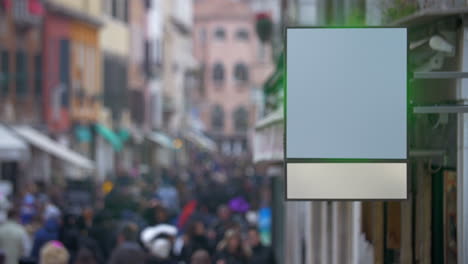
x=27 y=13
x=418 y=12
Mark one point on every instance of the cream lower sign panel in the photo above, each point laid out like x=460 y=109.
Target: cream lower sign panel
x=354 y=181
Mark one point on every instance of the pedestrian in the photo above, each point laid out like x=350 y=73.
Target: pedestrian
x=200 y=257
x=260 y=254
x=53 y=252
x=159 y=241
x=194 y=239
x=160 y=252
x=70 y=234
x=14 y=240
x=103 y=230
x=231 y=250
x=49 y=232
x=128 y=250
x=88 y=252
x=223 y=222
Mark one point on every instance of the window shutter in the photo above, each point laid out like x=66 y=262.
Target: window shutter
x=38 y=75
x=21 y=73
x=5 y=72
x=64 y=62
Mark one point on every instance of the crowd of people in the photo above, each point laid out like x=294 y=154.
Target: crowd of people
x=204 y=216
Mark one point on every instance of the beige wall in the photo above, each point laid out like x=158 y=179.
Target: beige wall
x=115 y=37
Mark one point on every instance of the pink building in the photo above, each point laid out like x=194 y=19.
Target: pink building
x=234 y=67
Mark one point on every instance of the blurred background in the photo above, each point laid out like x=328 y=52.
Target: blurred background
x=121 y=116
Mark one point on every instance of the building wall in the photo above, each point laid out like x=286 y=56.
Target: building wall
x=85 y=71
x=20 y=105
x=155 y=36
x=56 y=28
x=178 y=61
x=231 y=16
x=115 y=38
x=137 y=75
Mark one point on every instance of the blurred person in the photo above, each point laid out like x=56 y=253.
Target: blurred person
x=88 y=252
x=231 y=250
x=103 y=230
x=14 y=240
x=28 y=207
x=51 y=210
x=223 y=222
x=85 y=220
x=157 y=214
x=69 y=233
x=48 y=232
x=160 y=252
x=260 y=254
x=54 y=252
x=195 y=239
x=200 y=257
x=159 y=241
x=128 y=250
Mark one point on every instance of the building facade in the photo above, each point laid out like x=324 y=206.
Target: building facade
x=21 y=61
x=229 y=78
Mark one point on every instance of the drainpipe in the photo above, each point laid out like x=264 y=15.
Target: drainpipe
x=462 y=159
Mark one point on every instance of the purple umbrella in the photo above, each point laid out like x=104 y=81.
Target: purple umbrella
x=239 y=205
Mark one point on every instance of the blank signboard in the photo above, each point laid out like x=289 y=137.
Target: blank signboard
x=346 y=107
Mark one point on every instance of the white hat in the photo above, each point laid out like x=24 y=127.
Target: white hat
x=149 y=233
x=161 y=248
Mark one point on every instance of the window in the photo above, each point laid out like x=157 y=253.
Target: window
x=21 y=73
x=202 y=33
x=64 y=72
x=241 y=73
x=38 y=76
x=217 y=118
x=218 y=73
x=242 y=34
x=158 y=52
x=114 y=4
x=241 y=118
x=220 y=34
x=118 y=9
x=4 y=72
x=125 y=10
x=148 y=4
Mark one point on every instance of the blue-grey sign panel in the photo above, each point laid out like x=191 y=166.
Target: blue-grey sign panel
x=346 y=93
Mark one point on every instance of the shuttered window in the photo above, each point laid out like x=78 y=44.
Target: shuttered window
x=4 y=72
x=21 y=73
x=38 y=76
x=64 y=62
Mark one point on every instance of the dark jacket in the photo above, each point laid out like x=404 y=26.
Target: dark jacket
x=230 y=258
x=49 y=232
x=154 y=260
x=196 y=243
x=128 y=252
x=262 y=255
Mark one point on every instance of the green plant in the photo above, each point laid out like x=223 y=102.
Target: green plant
x=401 y=8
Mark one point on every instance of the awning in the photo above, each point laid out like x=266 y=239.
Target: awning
x=161 y=139
x=201 y=141
x=110 y=136
x=124 y=135
x=269 y=137
x=12 y=148
x=41 y=141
